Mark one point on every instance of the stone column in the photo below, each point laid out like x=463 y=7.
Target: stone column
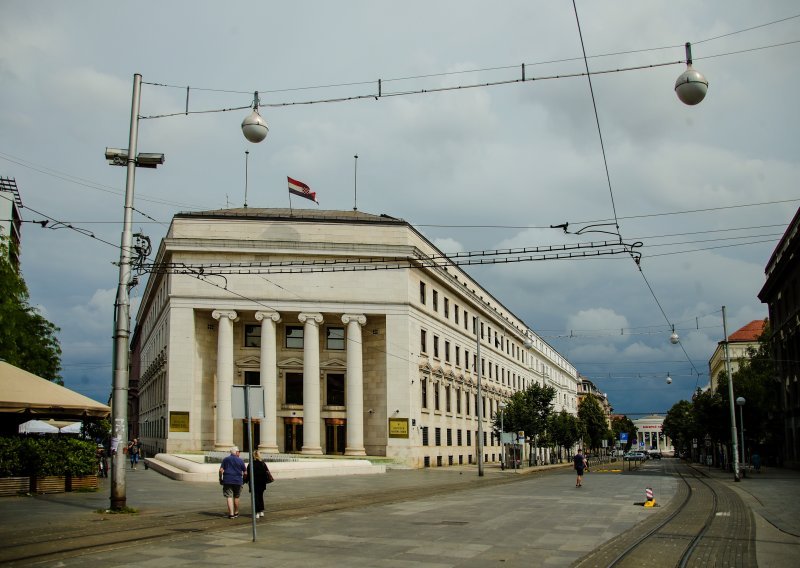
x=269 y=381
x=223 y=438
x=354 y=385
x=311 y=390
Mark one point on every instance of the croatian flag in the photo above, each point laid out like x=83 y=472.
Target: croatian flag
x=301 y=189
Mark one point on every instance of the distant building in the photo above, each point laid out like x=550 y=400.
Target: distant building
x=585 y=386
x=10 y=217
x=739 y=342
x=781 y=292
x=650 y=434
x=366 y=339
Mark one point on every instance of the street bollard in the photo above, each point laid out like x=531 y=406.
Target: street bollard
x=651 y=502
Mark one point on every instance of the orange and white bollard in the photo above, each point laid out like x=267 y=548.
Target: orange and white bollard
x=650 y=502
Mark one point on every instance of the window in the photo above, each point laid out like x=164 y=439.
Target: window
x=447 y=308
x=436 y=346
x=466 y=359
x=252 y=335
x=435 y=301
x=252 y=378
x=466 y=404
x=334 y=338
x=458 y=438
x=424 y=435
x=447 y=398
x=447 y=351
x=490 y=368
x=458 y=401
x=458 y=356
x=335 y=389
x=469 y=440
x=424 y=386
x=482 y=330
x=293 y=388
x=466 y=319
x=474 y=325
x=436 y=396
x=455 y=312
x=422 y=293
x=438 y=437
x=483 y=366
x=423 y=341
x=450 y=437
x=294 y=337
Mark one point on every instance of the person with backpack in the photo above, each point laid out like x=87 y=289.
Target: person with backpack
x=580 y=465
x=134 y=448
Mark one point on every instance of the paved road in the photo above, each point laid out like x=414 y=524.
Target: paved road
x=405 y=518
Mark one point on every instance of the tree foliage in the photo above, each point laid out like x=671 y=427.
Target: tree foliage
x=27 y=339
x=620 y=424
x=527 y=410
x=593 y=419
x=709 y=413
x=565 y=430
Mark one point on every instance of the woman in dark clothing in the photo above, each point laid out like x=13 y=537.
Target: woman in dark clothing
x=260 y=472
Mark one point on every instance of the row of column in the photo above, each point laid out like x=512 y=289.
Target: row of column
x=648 y=438
x=312 y=422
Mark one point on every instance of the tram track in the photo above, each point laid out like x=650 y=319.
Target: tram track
x=705 y=524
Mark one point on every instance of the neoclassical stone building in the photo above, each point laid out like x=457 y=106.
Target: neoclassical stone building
x=366 y=340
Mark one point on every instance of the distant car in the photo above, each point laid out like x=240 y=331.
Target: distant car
x=654 y=454
x=635 y=456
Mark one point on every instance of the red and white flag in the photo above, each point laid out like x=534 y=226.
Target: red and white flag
x=299 y=188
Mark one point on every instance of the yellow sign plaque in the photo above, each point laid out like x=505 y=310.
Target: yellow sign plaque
x=398 y=427
x=178 y=421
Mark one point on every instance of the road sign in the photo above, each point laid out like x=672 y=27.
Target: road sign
x=623 y=436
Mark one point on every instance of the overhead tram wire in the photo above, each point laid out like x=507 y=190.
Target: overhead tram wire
x=477 y=70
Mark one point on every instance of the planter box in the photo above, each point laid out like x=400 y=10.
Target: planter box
x=14 y=485
x=49 y=484
x=82 y=482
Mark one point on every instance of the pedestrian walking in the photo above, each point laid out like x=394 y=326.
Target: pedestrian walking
x=232 y=474
x=580 y=465
x=134 y=448
x=258 y=471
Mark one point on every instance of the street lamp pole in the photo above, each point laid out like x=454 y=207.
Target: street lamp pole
x=740 y=401
x=735 y=450
x=119 y=396
x=502 y=407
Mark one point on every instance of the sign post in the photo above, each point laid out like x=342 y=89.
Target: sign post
x=245 y=405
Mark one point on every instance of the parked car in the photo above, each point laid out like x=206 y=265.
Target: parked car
x=635 y=456
x=654 y=454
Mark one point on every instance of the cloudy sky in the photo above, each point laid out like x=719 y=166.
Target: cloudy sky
x=708 y=189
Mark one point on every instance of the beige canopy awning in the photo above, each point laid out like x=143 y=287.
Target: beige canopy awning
x=23 y=392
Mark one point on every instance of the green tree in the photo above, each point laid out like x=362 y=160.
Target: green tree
x=594 y=421
x=680 y=425
x=564 y=430
x=27 y=339
x=620 y=424
x=527 y=410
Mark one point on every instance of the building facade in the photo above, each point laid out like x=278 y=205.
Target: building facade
x=11 y=218
x=781 y=292
x=365 y=338
x=739 y=344
x=650 y=434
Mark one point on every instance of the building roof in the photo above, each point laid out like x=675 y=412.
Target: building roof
x=751 y=332
x=286 y=214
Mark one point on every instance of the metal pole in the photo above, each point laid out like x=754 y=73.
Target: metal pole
x=502 y=442
x=735 y=450
x=250 y=456
x=355 y=183
x=741 y=423
x=122 y=321
x=480 y=396
x=246 y=159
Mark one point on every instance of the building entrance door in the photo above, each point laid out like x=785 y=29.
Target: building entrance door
x=335 y=435
x=246 y=438
x=292 y=435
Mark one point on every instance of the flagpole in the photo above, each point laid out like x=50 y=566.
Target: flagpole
x=246 y=156
x=355 y=184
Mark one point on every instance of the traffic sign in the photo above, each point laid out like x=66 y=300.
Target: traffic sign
x=623 y=436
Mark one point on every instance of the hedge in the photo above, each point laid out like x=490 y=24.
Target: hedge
x=44 y=455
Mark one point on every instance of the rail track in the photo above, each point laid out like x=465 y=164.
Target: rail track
x=705 y=524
